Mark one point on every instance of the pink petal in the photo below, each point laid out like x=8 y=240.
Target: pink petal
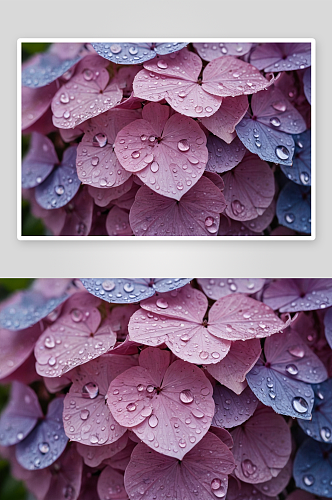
x=95 y=455
x=222 y=122
x=126 y=200
x=16 y=348
x=78 y=216
x=35 y=102
x=216 y=288
x=72 y=340
x=179 y=324
x=66 y=476
x=262 y=221
x=97 y=164
x=160 y=412
x=169 y=156
x=238 y=317
x=56 y=384
x=223 y=435
x=249 y=188
x=119 y=318
x=110 y=485
x=92 y=94
x=232 y=370
x=237 y=490
x=277 y=484
x=215 y=178
x=262 y=446
x=174 y=77
x=210 y=51
x=204 y=468
x=117 y=223
x=103 y=197
x=121 y=460
x=290 y=295
x=85 y=416
x=196 y=214
x=228 y=76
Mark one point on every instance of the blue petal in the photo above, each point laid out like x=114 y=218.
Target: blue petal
x=46 y=442
x=232 y=409
x=134 y=53
x=31 y=308
x=328 y=326
x=48 y=68
x=312 y=469
x=286 y=396
x=307 y=84
x=61 y=185
x=320 y=427
x=294 y=207
x=125 y=290
x=267 y=143
x=300 y=171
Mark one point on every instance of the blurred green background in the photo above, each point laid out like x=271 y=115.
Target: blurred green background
x=10 y=489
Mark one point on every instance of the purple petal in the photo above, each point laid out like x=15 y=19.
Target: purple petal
x=232 y=409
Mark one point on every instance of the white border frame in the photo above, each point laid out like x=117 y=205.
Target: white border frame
x=312 y=236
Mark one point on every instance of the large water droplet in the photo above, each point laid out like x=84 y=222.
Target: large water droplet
x=279 y=106
x=49 y=342
x=84 y=414
x=248 y=468
x=94 y=161
x=304 y=178
x=87 y=74
x=198 y=109
x=150 y=388
x=108 y=285
x=99 y=140
x=289 y=218
x=140 y=387
x=204 y=355
x=44 y=448
x=162 y=303
x=133 y=50
x=325 y=434
x=128 y=287
x=282 y=152
x=64 y=98
x=131 y=407
x=209 y=221
x=296 y=351
x=183 y=145
x=162 y=64
x=186 y=396
x=76 y=315
x=59 y=190
x=218 y=488
x=292 y=369
x=90 y=390
x=153 y=421
x=135 y=154
x=154 y=167
x=300 y=405
x=308 y=480
x=116 y=48
x=275 y=121
x=237 y=207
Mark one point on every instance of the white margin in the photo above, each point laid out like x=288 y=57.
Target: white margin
x=312 y=236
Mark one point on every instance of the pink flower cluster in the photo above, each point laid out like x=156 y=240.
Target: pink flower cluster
x=186 y=393
x=169 y=139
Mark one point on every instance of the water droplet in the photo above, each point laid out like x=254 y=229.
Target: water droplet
x=308 y=480
x=162 y=303
x=215 y=484
x=146 y=412
x=108 y=285
x=131 y=407
x=296 y=351
x=197 y=413
x=237 y=207
x=292 y=369
x=209 y=221
x=304 y=178
x=49 y=342
x=44 y=448
x=143 y=137
x=99 y=140
x=325 y=433
x=59 y=190
x=153 y=421
x=94 y=161
x=203 y=355
x=182 y=443
x=76 y=315
x=300 y=405
x=208 y=109
x=289 y=218
x=116 y=48
x=64 y=98
x=275 y=121
x=133 y=50
x=248 y=468
x=186 y=397
x=128 y=287
x=218 y=488
x=140 y=387
x=20 y=436
x=90 y=390
x=52 y=361
x=183 y=145
x=279 y=106
x=66 y=115
x=135 y=154
x=150 y=388
x=282 y=152
x=154 y=167
x=198 y=109
x=162 y=64
x=84 y=414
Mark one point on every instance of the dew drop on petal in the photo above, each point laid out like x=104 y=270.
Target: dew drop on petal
x=59 y=190
x=153 y=421
x=133 y=50
x=150 y=388
x=140 y=387
x=162 y=303
x=99 y=140
x=279 y=106
x=90 y=390
x=289 y=218
x=300 y=405
x=44 y=447
x=115 y=48
x=292 y=369
x=135 y=154
x=198 y=109
x=296 y=351
x=308 y=480
x=49 y=342
x=325 y=434
x=154 y=167
x=87 y=74
x=186 y=397
x=64 y=98
x=131 y=407
x=282 y=152
x=248 y=468
x=162 y=64
x=128 y=287
x=203 y=355
x=275 y=121
x=76 y=315
x=84 y=414
x=183 y=145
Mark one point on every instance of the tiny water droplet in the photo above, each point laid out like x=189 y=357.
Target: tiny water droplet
x=296 y=351
x=64 y=98
x=325 y=434
x=289 y=218
x=49 y=342
x=88 y=74
x=128 y=287
x=59 y=190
